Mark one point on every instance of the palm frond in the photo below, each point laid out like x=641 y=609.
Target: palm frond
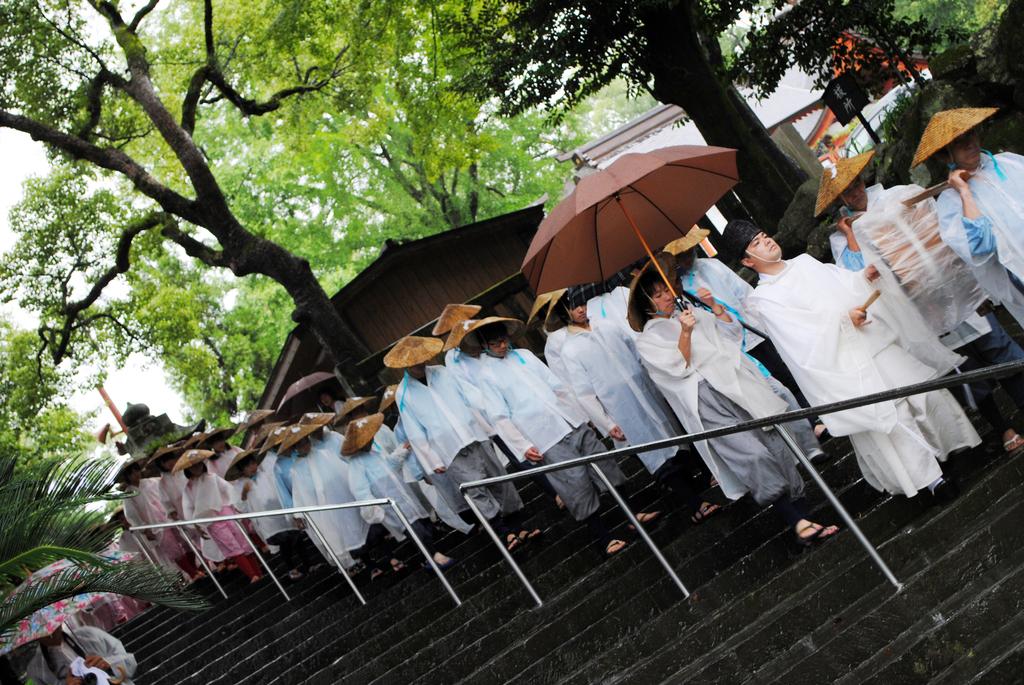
x=136 y=579
x=44 y=555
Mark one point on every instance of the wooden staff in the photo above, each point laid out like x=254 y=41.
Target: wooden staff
x=934 y=191
x=871 y=300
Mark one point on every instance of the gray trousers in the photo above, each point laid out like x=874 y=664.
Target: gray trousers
x=579 y=487
x=474 y=462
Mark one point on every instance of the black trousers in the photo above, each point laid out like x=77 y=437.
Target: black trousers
x=766 y=353
x=292 y=548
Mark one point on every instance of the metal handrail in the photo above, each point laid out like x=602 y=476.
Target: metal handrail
x=303 y=513
x=775 y=421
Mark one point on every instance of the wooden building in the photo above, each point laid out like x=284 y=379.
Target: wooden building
x=404 y=290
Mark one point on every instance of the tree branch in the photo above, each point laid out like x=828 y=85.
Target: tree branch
x=195 y=248
x=141 y=14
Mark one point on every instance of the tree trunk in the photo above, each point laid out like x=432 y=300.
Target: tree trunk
x=685 y=76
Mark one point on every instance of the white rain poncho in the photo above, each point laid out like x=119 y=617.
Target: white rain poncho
x=717 y=358
x=906 y=247
x=1000 y=197
x=371 y=477
x=263 y=496
x=611 y=307
x=146 y=508
x=436 y=417
x=613 y=388
x=222 y=463
x=319 y=478
x=206 y=496
x=470 y=373
x=728 y=289
x=553 y=344
x=535 y=408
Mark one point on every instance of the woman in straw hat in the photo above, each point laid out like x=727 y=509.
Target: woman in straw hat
x=817 y=316
x=915 y=266
x=208 y=495
x=310 y=453
x=370 y=477
x=145 y=508
x=445 y=435
x=622 y=402
x=695 y=360
x=981 y=214
x=540 y=426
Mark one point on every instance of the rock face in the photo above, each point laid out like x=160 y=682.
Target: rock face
x=985 y=72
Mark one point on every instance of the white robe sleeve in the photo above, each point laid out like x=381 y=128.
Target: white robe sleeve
x=586 y=395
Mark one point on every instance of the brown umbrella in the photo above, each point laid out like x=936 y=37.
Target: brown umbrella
x=614 y=216
x=296 y=397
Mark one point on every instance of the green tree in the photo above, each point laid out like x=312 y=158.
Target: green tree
x=36 y=424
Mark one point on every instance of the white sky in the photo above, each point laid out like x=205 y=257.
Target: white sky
x=139 y=380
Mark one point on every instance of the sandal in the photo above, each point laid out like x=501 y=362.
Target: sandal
x=512 y=542
x=706 y=511
x=614 y=547
x=1014 y=444
x=528 y=535
x=646 y=517
x=397 y=566
x=821 y=533
x=376 y=573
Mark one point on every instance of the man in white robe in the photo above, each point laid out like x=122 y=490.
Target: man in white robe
x=52 y=662
x=815 y=315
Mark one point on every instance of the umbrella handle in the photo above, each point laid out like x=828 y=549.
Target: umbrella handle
x=682 y=306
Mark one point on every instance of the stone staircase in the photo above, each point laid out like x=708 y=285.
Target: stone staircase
x=762 y=609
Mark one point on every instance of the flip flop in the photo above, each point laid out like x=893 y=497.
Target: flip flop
x=1014 y=444
x=512 y=542
x=821 y=533
x=706 y=511
x=618 y=545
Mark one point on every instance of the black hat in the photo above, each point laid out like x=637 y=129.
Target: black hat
x=736 y=237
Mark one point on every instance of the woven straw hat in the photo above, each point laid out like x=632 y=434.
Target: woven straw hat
x=191 y=458
x=458 y=333
x=122 y=474
x=234 y=471
x=273 y=438
x=201 y=439
x=388 y=398
x=837 y=179
x=412 y=350
x=637 y=306
x=689 y=241
x=351 y=404
x=946 y=126
x=360 y=433
x=174 y=449
x=294 y=434
x=543 y=301
x=513 y=327
x=453 y=314
x=254 y=418
x=552 y=324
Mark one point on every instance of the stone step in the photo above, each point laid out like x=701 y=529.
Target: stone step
x=476 y=646
x=843 y=641
x=652 y=651
x=1004 y=670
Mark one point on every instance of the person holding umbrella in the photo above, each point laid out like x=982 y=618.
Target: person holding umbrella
x=817 y=316
x=695 y=359
x=540 y=426
x=446 y=437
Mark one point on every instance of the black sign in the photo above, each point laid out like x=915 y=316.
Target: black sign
x=845 y=98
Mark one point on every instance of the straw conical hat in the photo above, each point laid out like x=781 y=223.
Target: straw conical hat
x=837 y=179
x=273 y=439
x=513 y=327
x=412 y=350
x=458 y=333
x=636 y=307
x=255 y=418
x=687 y=242
x=200 y=439
x=234 y=471
x=388 y=398
x=122 y=473
x=946 y=126
x=543 y=301
x=453 y=314
x=353 y=403
x=360 y=433
x=293 y=434
x=173 y=450
x=191 y=458
x=549 y=324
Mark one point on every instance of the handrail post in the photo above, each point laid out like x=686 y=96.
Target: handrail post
x=640 y=529
x=426 y=553
x=201 y=560
x=145 y=550
x=270 y=571
x=334 y=557
x=838 y=506
x=504 y=550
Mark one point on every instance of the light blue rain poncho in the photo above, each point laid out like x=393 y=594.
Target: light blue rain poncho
x=440 y=493
x=614 y=389
x=992 y=245
x=370 y=476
